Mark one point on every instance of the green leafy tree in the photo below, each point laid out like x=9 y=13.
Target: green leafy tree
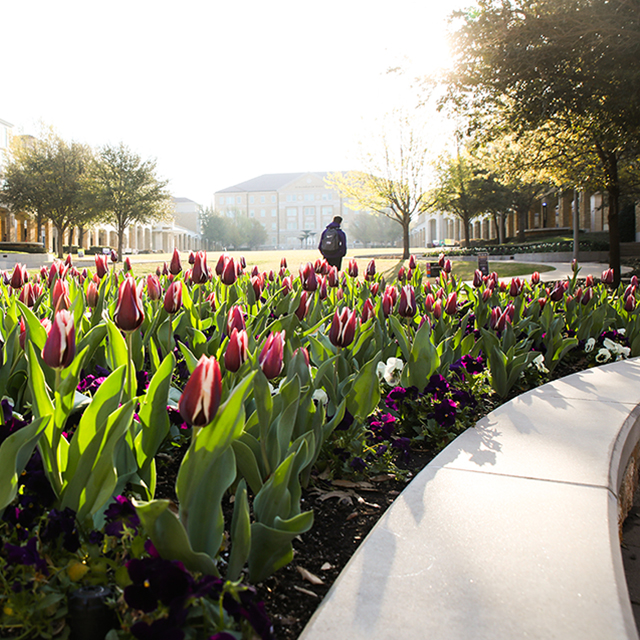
x=126 y=190
x=394 y=183
x=373 y=229
x=216 y=228
x=569 y=66
x=47 y=177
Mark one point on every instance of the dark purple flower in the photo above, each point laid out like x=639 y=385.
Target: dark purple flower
x=162 y=629
x=445 y=412
x=62 y=523
x=251 y=611
x=437 y=385
x=118 y=514
x=26 y=555
x=156 y=580
x=346 y=422
x=358 y=464
x=403 y=445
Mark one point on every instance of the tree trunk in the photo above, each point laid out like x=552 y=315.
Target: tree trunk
x=522 y=224
x=614 y=233
x=405 y=239
x=120 y=241
x=60 y=241
x=465 y=222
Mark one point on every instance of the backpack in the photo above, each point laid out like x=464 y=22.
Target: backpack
x=330 y=241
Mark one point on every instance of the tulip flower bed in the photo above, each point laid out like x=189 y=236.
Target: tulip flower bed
x=163 y=438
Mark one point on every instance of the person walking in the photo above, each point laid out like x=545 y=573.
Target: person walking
x=333 y=243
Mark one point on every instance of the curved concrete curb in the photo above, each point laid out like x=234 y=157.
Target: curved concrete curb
x=510 y=532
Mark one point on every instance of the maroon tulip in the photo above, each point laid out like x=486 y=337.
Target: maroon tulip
x=374 y=288
x=60 y=295
x=368 y=310
x=154 y=290
x=322 y=291
x=429 y=301
x=541 y=303
x=257 y=283
x=92 y=295
x=407 y=306
x=19 y=277
x=588 y=294
x=173 y=297
x=486 y=294
x=305 y=354
x=477 y=278
x=114 y=256
x=343 y=327
x=126 y=265
x=200 y=273
x=308 y=277
x=235 y=319
x=401 y=274
x=303 y=307
x=287 y=285
x=211 y=299
x=175 y=267
x=60 y=347
x=412 y=262
x=200 y=399
x=535 y=278
x=387 y=303
x=630 y=304
x=353 y=269
x=271 y=357
x=129 y=313
x=283 y=263
x=332 y=277
x=371 y=270
x=451 y=304
x=236 y=354
x=165 y=269
x=102 y=265
x=446 y=267
x=192 y=257
x=23 y=333
x=222 y=261
x=607 y=276
x=589 y=281
x=29 y=294
x=229 y=274
x=437 y=309
x=441 y=259
x=558 y=293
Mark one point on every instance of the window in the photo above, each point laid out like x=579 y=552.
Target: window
x=327 y=212
x=291 y=197
x=263 y=213
x=273 y=226
x=309 y=224
x=230 y=200
x=273 y=213
x=309 y=197
x=273 y=198
x=300 y=196
x=221 y=199
x=262 y=200
x=251 y=213
x=238 y=200
x=292 y=224
x=309 y=211
x=252 y=199
x=292 y=212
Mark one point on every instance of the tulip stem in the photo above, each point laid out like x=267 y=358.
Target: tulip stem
x=170 y=338
x=131 y=375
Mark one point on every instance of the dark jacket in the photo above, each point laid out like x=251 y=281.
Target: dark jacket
x=342 y=249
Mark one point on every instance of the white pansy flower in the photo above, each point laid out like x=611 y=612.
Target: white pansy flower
x=616 y=349
x=538 y=362
x=590 y=344
x=390 y=372
x=621 y=331
x=320 y=396
x=603 y=355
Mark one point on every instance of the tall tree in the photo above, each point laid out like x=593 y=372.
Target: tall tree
x=47 y=177
x=126 y=189
x=571 y=65
x=394 y=183
x=373 y=230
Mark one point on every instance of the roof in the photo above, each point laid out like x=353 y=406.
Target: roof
x=270 y=182
x=184 y=200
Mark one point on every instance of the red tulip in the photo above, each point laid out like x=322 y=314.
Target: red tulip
x=486 y=294
x=304 y=352
x=412 y=262
x=407 y=306
x=441 y=259
x=303 y=307
x=271 y=357
x=236 y=353
x=19 y=277
x=102 y=265
x=211 y=298
x=353 y=268
x=30 y=293
x=257 y=284
x=630 y=304
x=92 y=295
x=535 y=278
x=429 y=301
x=23 y=333
x=374 y=288
x=200 y=273
x=222 y=261
x=174 y=266
x=451 y=304
x=192 y=257
x=60 y=347
x=608 y=276
x=387 y=303
x=60 y=295
x=235 y=319
x=283 y=263
x=287 y=285
x=200 y=399
x=437 y=309
x=114 y=256
x=515 y=287
x=322 y=292
x=371 y=270
x=332 y=277
x=154 y=290
x=477 y=278
x=129 y=313
x=368 y=310
x=127 y=265
x=343 y=327
x=401 y=274
x=173 y=297
x=589 y=281
x=588 y=294
x=558 y=293
x=229 y=273
x=308 y=277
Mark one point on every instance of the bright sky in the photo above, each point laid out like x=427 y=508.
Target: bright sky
x=218 y=91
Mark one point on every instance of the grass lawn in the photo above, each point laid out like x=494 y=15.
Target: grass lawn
x=387 y=262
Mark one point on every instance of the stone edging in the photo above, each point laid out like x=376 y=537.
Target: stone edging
x=510 y=532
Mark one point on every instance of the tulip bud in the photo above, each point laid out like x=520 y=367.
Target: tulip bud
x=200 y=273
x=60 y=295
x=127 y=265
x=114 y=256
x=308 y=277
x=229 y=273
x=235 y=319
x=192 y=258
x=332 y=277
x=29 y=294
x=446 y=267
x=607 y=276
x=271 y=357
x=303 y=307
x=305 y=354
x=19 y=277
x=200 y=399
x=437 y=309
x=407 y=306
x=236 y=354
x=486 y=294
x=634 y=280
x=102 y=265
x=287 y=285
x=477 y=278
x=154 y=290
x=535 y=278
x=175 y=267
x=429 y=301
x=283 y=263
x=353 y=268
x=588 y=294
x=343 y=328
x=558 y=293
x=374 y=288
x=371 y=270
x=630 y=303
x=412 y=262
x=60 y=347
x=173 y=297
x=441 y=259
x=368 y=310
x=451 y=304
x=401 y=274
x=387 y=304
x=589 y=281
x=211 y=299
x=542 y=302
x=129 y=313
x=322 y=291
x=515 y=288
x=92 y=295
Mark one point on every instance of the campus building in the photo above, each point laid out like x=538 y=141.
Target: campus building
x=293 y=208
x=181 y=231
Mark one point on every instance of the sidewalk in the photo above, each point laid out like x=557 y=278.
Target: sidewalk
x=562 y=270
